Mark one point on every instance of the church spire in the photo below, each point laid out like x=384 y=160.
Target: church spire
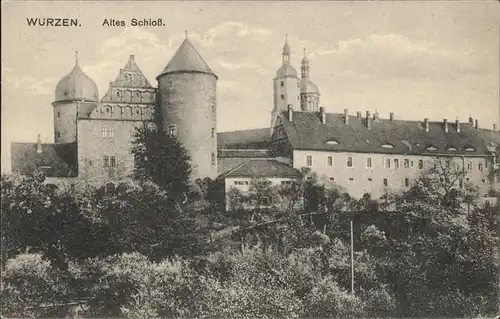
x=305 y=66
x=286 y=51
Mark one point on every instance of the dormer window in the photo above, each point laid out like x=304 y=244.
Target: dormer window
x=470 y=149
x=387 y=145
x=452 y=149
x=431 y=148
x=332 y=142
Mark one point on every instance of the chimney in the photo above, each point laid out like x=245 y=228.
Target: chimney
x=375 y=116
x=445 y=122
x=346 y=116
x=457 y=125
x=391 y=116
x=358 y=114
x=471 y=120
x=290 y=112
x=476 y=124
x=39 y=145
x=368 y=122
x=322 y=114
x=426 y=124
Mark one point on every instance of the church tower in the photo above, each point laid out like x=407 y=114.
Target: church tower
x=188 y=106
x=309 y=92
x=75 y=93
x=286 y=86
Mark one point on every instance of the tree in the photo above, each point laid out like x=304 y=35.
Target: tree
x=161 y=159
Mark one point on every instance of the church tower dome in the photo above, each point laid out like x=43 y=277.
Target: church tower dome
x=76 y=86
x=286 y=86
x=187 y=100
x=309 y=92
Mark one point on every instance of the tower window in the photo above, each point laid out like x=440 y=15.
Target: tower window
x=407 y=182
x=420 y=164
x=172 y=130
x=282 y=96
x=282 y=83
x=406 y=163
x=213 y=132
x=213 y=159
x=58 y=134
x=385 y=182
x=58 y=114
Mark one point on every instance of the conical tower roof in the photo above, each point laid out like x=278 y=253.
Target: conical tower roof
x=187 y=59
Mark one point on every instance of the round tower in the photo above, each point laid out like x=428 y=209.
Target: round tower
x=286 y=86
x=188 y=106
x=309 y=92
x=72 y=89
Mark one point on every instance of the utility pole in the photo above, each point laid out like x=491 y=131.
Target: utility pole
x=352 y=259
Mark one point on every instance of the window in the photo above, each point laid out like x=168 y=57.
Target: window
x=172 y=130
x=332 y=179
x=431 y=148
x=58 y=134
x=469 y=166
x=298 y=84
x=286 y=182
x=387 y=146
x=407 y=182
x=370 y=179
x=385 y=182
x=240 y=182
x=108 y=132
x=282 y=83
x=483 y=180
x=213 y=132
x=411 y=162
x=406 y=163
x=329 y=161
x=461 y=183
x=368 y=162
x=282 y=96
x=332 y=142
x=470 y=149
x=350 y=161
x=109 y=161
x=351 y=179
x=480 y=166
x=213 y=159
x=485 y=164
x=108 y=110
x=387 y=163
x=420 y=164
x=58 y=114
x=309 y=160
x=396 y=163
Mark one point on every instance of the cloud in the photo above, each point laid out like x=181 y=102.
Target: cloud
x=32 y=85
x=394 y=56
x=237 y=29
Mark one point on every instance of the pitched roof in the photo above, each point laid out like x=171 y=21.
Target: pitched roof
x=385 y=136
x=245 y=139
x=56 y=160
x=263 y=168
x=187 y=59
x=243 y=153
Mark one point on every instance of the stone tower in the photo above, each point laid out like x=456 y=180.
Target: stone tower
x=309 y=92
x=286 y=86
x=188 y=105
x=75 y=92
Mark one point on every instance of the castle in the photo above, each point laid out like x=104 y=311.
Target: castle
x=361 y=153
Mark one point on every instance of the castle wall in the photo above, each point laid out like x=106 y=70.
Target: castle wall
x=95 y=141
x=188 y=101
x=65 y=122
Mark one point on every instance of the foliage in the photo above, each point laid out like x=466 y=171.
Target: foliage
x=163 y=160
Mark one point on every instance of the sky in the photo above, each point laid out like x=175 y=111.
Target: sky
x=434 y=59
